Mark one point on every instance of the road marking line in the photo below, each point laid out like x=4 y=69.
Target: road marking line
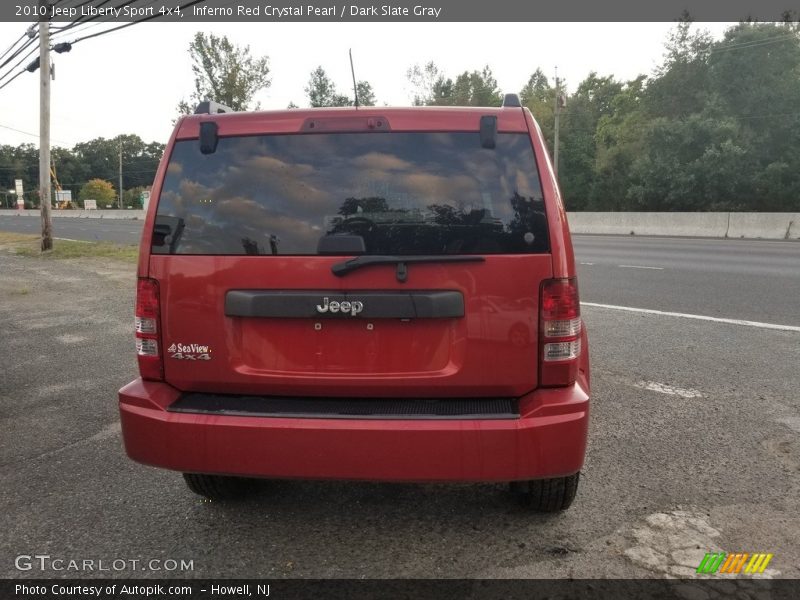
x=71 y=240
x=590 y=264
x=649 y=311
x=640 y=267
x=791 y=423
x=663 y=388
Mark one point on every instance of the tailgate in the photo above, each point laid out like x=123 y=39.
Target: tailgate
x=409 y=339
x=248 y=230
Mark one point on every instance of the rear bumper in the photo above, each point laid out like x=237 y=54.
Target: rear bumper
x=548 y=440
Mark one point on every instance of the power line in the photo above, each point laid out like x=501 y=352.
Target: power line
x=83 y=27
x=20 y=131
x=16 y=66
x=81 y=20
x=752 y=44
x=150 y=18
x=85 y=37
x=36 y=135
x=19 y=39
x=19 y=50
x=12 y=79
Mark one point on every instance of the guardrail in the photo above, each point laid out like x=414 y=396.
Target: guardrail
x=769 y=226
x=80 y=214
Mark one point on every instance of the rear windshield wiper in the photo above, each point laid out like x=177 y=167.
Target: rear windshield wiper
x=343 y=268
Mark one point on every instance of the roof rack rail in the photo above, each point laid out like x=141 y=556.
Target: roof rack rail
x=209 y=107
x=511 y=101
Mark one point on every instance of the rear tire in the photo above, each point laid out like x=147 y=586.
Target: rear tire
x=547 y=495
x=216 y=487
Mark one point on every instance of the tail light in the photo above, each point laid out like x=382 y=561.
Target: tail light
x=148 y=333
x=559 y=332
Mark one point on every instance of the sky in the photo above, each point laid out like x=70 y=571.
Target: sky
x=130 y=81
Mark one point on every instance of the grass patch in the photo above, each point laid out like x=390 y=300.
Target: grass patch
x=8 y=237
x=28 y=245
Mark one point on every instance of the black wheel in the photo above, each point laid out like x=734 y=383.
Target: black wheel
x=216 y=487
x=547 y=495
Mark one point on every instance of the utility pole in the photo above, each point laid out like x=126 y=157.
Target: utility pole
x=44 y=125
x=120 y=172
x=557 y=112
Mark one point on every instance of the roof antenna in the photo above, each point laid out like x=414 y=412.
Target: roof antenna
x=353 y=71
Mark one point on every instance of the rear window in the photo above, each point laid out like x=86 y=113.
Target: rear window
x=403 y=193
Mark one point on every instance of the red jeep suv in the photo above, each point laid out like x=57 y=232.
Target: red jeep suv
x=360 y=293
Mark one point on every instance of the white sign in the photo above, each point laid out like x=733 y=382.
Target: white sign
x=145 y=198
x=20 y=197
x=64 y=196
x=90 y=204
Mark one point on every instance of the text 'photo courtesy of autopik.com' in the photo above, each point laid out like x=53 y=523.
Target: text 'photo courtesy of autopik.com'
x=421 y=299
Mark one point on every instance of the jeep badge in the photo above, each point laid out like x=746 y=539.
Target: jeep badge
x=344 y=306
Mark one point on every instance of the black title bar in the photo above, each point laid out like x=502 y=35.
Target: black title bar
x=387 y=589
x=273 y=11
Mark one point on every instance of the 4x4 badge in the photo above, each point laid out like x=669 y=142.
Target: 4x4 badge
x=344 y=306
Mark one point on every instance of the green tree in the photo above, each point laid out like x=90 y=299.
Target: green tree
x=366 y=95
x=591 y=101
x=539 y=97
x=756 y=81
x=680 y=85
x=99 y=158
x=321 y=92
x=132 y=197
x=470 y=88
x=423 y=80
x=20 y=162
x=723 y=131
x=320 y=89
x=225 y=72
x=477 y=88
x=689 y=164
x=93 y=159
x=619 y=142
x=100 y=190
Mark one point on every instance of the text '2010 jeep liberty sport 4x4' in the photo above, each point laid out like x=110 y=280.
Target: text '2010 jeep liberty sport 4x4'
x=369 y=293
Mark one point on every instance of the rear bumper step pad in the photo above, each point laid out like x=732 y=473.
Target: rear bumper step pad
x=347 y=408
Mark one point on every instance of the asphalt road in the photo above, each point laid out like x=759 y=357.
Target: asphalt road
x=694 y=446
x=712 y=277
x=122 y=231
x=756 y=280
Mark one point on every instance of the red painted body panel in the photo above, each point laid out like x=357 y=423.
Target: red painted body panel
x=400 y=119
x=491 y=352
x=560 y=240
x=549 y=440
